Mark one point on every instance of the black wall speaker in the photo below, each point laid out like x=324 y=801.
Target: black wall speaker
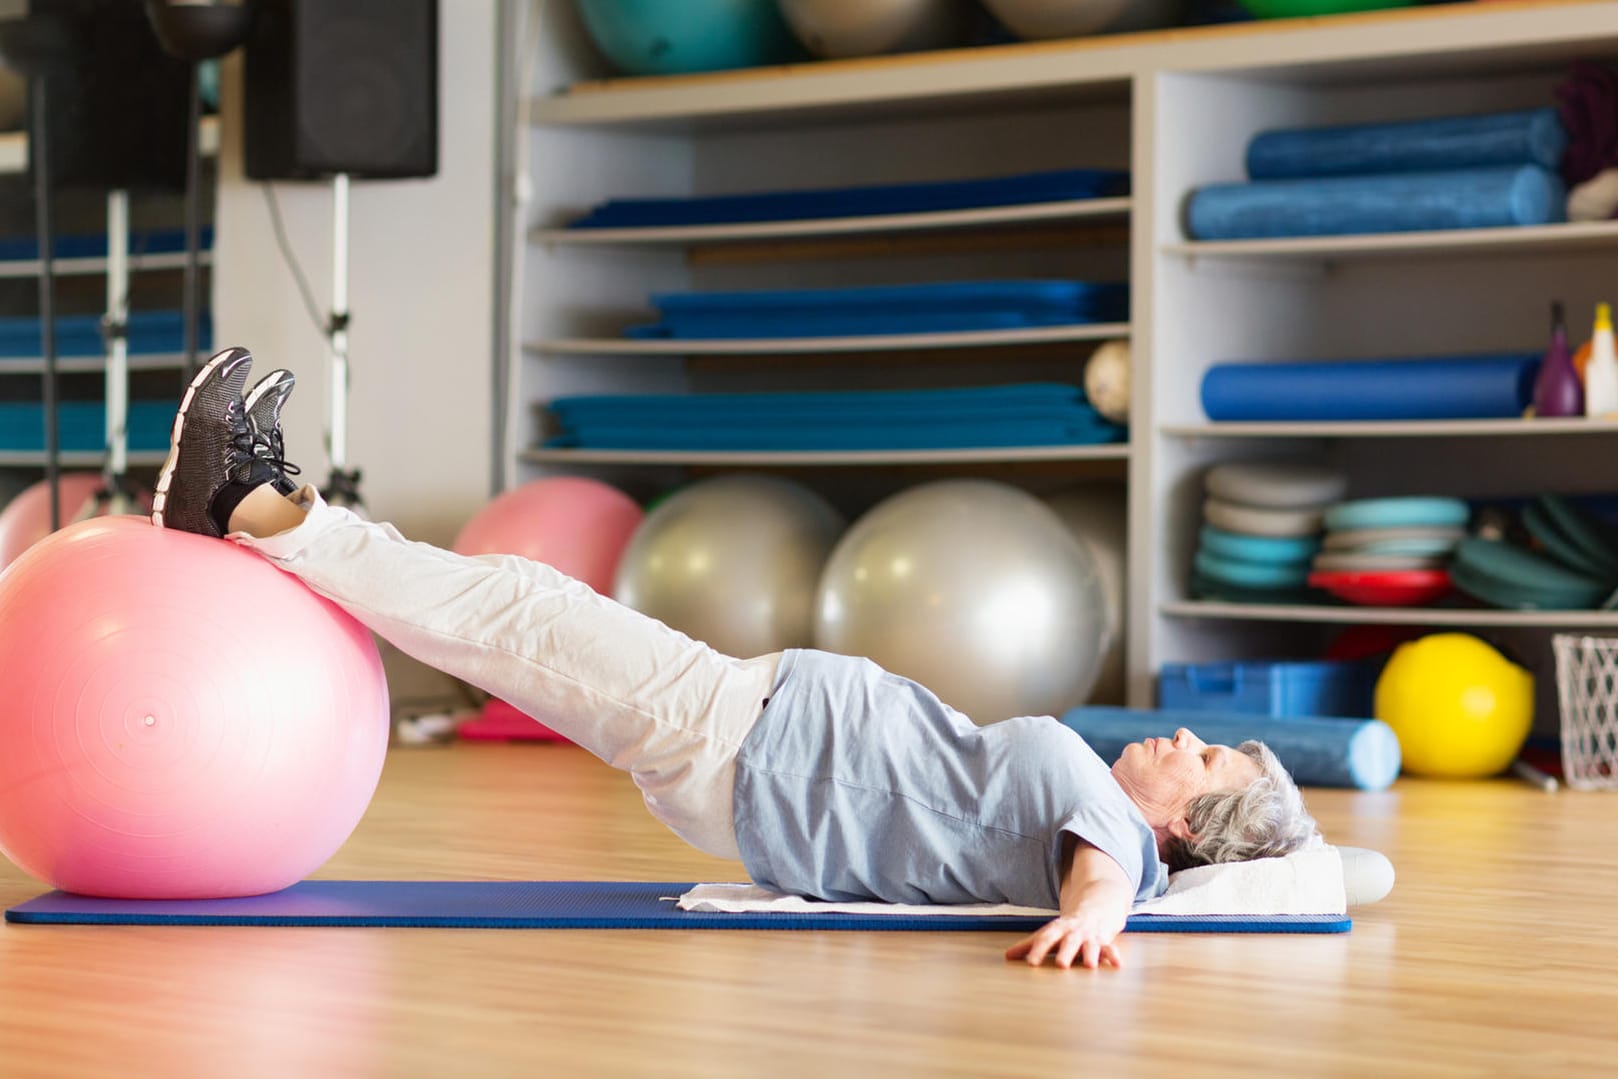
x=117 y=115
x=346 y=86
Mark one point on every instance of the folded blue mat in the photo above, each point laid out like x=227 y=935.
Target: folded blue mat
x=1317 y=751
x=1395 y=202
x=94 y=245
x=845 y=404
x=834 y=438
x=559 y=905
x=82 y=426
x=1522 y=137
x=885 y=309
x=1052 y=186
x=961 y=417
x=150 y=333
x=1426 y=388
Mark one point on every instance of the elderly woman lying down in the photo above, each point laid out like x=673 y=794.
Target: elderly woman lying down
x=825 y=775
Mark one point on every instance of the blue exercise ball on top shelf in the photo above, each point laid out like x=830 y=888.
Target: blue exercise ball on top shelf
x=656 y=37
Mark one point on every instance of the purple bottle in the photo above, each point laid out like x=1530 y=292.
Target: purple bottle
x=1557 y=388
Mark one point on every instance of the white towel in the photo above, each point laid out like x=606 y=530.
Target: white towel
x=1308 y=882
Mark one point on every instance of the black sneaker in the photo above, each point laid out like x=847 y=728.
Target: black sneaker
x=263 y=404
x=211 y=446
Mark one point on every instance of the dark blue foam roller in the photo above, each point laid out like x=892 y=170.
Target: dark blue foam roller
x=1425 y=388
x=1319 y=752
x=1396 y=202
x=1522 y=137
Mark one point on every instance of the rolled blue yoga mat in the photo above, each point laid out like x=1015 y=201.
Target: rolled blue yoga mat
x=1395 y=202
x=1428 y=388
x=1319 y=752
x=1523 y=137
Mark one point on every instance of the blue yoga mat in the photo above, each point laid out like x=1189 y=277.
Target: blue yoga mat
x=885 y=309
x=1423 y=388
x=1054 y=186
x=558 y=905
x=1521 y=137
x=1395 y=202
x=1318 y=751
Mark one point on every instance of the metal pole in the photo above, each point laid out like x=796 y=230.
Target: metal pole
x=47 y=316
x=116 y=329
x=337 y=432
x=193 y=182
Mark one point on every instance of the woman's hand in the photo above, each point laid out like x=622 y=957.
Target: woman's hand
x=1089 y=936
x=1096 y=896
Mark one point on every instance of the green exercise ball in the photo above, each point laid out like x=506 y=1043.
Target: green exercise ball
x=1297 y=9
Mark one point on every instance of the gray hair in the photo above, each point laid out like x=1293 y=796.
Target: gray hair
x=1265 y=819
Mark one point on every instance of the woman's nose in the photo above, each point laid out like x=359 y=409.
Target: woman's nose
x=1184 y=738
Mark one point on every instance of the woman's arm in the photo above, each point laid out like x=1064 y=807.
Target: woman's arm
x=1096 y=897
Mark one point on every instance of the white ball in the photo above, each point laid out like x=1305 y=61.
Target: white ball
x=841 y=28
x=1106 y=380
x=733 y=562
x=974 y=589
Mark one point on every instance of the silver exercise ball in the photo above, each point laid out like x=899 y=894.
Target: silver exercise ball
x=1097 y=515
x=976 y=590
x=733 y=562
x=1036 y=19
x=842 y=28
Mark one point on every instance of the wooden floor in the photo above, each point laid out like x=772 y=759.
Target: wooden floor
x=1495 y=955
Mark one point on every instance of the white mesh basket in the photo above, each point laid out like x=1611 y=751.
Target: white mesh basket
x=1587 y=685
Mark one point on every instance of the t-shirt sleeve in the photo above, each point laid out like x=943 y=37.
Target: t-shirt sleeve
x=1126 y=841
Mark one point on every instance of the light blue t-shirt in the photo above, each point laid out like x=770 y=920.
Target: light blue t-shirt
x=859 y=784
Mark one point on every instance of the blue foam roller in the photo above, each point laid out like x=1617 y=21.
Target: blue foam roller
x=1427 y=388
x=1522 y=137
x=1396 y=202
x=1318 y=751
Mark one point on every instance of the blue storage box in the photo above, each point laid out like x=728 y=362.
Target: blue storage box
x=1272 y=687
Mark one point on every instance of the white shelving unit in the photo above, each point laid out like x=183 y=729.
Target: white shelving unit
x=1176 y=108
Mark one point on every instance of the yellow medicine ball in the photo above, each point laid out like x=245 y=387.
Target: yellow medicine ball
x=1460 y=708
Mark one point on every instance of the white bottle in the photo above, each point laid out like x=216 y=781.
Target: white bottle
x=1601 y=375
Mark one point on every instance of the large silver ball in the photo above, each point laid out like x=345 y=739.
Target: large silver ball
x=842 y=28
x=976 y=590
x=732 y=561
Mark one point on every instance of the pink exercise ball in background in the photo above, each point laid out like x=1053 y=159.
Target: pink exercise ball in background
x=27 y=518
x=576 y=525
x=182 y=719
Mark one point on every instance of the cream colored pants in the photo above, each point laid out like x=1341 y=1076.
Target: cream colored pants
x=643 y=697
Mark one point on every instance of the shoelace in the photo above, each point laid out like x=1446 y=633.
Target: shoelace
x=256 y=448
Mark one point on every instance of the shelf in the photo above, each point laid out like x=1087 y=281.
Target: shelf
x=69 y=364
x=1112 y=451
x=14 y=145
x=1436 y=40
x=78 y=459
x=165 y=260
x=1589 y=235
x=868 y=224
x=1407 y=616
x=886 y=342
x=1553 y=428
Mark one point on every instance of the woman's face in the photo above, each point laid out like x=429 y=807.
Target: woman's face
x=1163 y=775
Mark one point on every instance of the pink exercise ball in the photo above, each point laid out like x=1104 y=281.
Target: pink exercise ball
x=27 y=518
x=183 y=720
x=576 y=525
